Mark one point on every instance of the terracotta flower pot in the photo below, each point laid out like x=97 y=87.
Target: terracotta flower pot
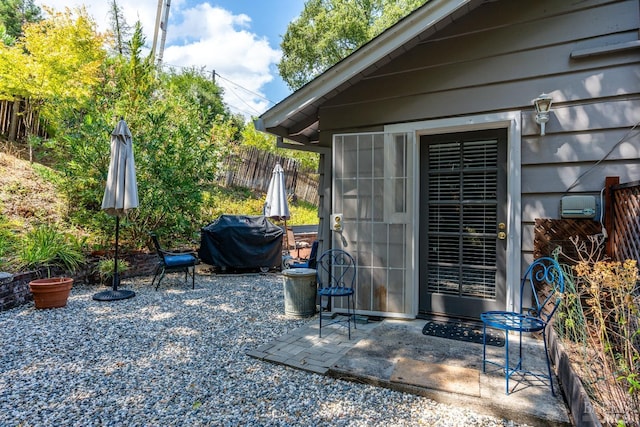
x=51 y=292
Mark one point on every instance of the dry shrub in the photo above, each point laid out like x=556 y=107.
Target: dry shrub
x=601 y=313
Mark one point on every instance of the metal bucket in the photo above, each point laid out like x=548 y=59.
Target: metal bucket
x=299 y=292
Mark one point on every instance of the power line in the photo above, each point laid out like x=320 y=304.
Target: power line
x=242 y=100
x=240 y=110
x=245 y=89
x=215 y=74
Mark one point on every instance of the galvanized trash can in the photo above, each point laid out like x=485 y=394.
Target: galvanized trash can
x=299 y=292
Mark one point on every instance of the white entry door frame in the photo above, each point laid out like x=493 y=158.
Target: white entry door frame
x=511 y=121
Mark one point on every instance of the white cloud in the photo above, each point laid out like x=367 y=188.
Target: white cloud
x=199 y=35
x=218 y=40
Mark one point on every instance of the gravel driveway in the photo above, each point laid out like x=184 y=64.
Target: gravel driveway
x=176 y=357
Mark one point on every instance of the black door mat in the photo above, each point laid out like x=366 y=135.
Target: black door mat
x=462 y=331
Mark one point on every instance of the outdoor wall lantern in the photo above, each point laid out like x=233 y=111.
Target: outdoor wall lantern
x=543 y=107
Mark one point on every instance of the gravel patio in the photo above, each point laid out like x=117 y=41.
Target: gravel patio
x=177 y=356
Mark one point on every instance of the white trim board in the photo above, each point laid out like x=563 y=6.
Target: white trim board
x=507 y=120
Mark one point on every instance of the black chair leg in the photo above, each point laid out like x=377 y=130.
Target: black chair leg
x=164 y=271
x=161 y=271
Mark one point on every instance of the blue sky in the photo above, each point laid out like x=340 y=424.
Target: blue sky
x=239 y=39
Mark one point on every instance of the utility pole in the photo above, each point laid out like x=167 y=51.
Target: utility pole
x=163 y=26
x=157 y=27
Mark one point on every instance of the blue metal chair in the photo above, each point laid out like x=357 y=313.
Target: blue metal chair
x=336 y=276
x=172 y=262
x=544 y=276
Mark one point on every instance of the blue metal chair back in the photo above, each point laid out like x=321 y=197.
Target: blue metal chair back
x=336 y=276
x=543 y=277
x=336 y=269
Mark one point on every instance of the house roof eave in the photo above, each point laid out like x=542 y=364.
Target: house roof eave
x=303 y=104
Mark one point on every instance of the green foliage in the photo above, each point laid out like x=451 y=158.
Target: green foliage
x=329 y=30
x=132 y=81
x=8 y=242
x=252 y=137
x=231 y=201
x=5 y=38
x=15 y=13
x=47 y=247
x=303 y=213
x=242 y=201
x=54 y=63
x=198 y=89
x=181 y=131
x=176 y=153
x=105 y=268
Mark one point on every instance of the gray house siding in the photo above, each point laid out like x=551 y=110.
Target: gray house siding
x=462 y=68
x=498 y=58
x=467 y=70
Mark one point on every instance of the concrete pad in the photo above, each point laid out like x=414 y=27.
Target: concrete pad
x=395 y=354
x=453 y=379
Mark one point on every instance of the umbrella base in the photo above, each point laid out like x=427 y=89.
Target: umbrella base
x=112 y=295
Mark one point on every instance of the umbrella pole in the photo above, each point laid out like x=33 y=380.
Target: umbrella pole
x=116 y=275
x=114 y=294
x=286 y=236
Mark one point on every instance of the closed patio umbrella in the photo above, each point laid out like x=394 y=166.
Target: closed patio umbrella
x=276 y=205
x=120 y=195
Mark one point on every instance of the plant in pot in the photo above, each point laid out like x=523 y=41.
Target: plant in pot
x=47 y=248
x=105 y=269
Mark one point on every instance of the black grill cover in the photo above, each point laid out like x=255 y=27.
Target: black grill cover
x=241 y=241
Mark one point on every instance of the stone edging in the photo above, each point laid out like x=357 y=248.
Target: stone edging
x=15 y=291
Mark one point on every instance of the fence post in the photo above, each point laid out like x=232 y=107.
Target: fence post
x=609 y=223
x=13 y=121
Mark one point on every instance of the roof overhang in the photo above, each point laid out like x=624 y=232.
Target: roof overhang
x=296 y=117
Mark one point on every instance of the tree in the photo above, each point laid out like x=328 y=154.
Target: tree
x=136 y=80
x=329 y=30
x=199 y=90
x=54 y=64
x=176 y=155
x=5 y=38
x=121 y=30
x=16 y=13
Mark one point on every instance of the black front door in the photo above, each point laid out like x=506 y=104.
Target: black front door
x=463 y=201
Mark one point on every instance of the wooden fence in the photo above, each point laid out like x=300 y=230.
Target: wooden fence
x=625 y=233
x=252 y=168
x=16 y=118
